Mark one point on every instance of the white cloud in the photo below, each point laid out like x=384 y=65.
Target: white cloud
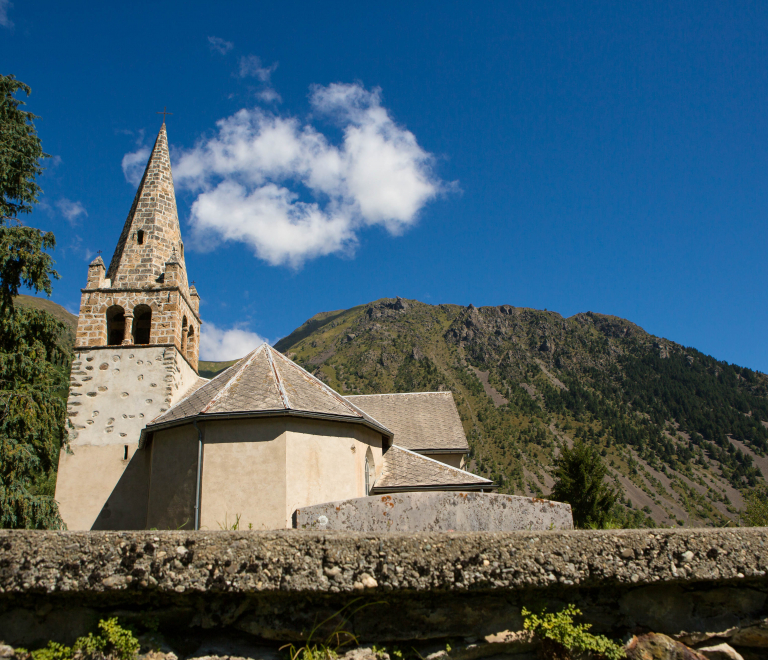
x=248 y=174
x=220 y=45
x=134 y=163
x=76 y=246
x=5 y=5
x=251 y=67
x=269 y=95
x=217 y=344
x=71 y=210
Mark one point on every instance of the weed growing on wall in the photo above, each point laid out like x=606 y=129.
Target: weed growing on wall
x=561 y=637
x=234 y=526
x=328 y=648
x=113 y=641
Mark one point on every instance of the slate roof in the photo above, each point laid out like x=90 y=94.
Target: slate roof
x=403 y=469
x=264 y=382
x=421 y=421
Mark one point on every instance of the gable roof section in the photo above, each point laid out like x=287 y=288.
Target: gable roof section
x=404 y=470
x=421 y=421
x=264 y=382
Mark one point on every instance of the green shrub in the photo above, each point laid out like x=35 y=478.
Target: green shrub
x=113 y=641
x=560 y=636
x=53 y=651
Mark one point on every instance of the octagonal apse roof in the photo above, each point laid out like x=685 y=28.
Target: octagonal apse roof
x=264 y=383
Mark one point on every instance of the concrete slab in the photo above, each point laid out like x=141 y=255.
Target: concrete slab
x=444 y=511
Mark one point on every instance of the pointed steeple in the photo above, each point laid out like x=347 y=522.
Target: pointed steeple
x=151 y=234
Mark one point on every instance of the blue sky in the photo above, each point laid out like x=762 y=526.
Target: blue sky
x=573 y=156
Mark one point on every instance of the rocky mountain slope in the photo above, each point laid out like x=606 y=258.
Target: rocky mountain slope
x=683 y=433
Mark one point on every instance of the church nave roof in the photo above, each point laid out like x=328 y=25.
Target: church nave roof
x=404 y=470
x=421 y=421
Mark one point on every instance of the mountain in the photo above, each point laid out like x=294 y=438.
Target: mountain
x=683 y=433
x=211 y=369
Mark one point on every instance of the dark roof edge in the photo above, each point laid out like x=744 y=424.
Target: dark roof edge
x=432 y=450
x=152 y=428
x=346 y=396
x=406 y=489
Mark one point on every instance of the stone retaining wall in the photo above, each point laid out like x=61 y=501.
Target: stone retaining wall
x=407 y=589
x=443 y=511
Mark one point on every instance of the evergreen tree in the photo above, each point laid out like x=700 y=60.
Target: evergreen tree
x=579 y=474
x=755 y=512
x=32 y=366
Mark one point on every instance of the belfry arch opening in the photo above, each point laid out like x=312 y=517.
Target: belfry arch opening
x=184 y=330
x=115 y=325
x=190 y=352
x=142 y=324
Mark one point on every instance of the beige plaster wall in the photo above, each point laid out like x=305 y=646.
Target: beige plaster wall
x=173 y=479
x=86 y=480
x=264 y=469
x=454 y=460
x=114 y=393
x=126 y=506
x=244 y=473
x=325 y=462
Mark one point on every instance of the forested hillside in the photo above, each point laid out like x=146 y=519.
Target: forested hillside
x=683 y=433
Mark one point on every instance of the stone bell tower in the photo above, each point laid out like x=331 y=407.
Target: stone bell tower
x=136 y=354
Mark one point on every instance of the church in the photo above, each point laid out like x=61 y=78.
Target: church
x=152 y=445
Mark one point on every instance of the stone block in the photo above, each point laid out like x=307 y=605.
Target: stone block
x=436 y=512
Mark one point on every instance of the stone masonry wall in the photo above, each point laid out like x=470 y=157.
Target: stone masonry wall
x=415 y=590
x=169 y=306
x=153 y=212
x=117 y=390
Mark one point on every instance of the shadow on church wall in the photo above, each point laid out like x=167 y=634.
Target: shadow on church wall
x=126 y=506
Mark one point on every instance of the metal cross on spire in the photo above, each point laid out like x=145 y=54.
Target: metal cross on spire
x=164 y=113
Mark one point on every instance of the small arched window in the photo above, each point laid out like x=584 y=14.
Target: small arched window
x=181 y=247
x=142 y=324
x=370 y=472
x=140 y=237
x=115 y=325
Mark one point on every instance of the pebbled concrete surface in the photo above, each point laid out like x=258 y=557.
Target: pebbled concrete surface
x=299 y=561
x=436 y=512
x=695 y=585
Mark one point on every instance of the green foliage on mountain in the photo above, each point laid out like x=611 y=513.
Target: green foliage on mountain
x=212 y=369
x=579 y=474
x=33 y=365
x=682 y=434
